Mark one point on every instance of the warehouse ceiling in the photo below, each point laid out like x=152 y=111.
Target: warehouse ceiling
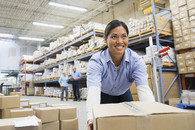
x=17 y=17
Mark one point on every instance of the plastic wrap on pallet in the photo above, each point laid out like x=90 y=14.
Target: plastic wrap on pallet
x=26 y=57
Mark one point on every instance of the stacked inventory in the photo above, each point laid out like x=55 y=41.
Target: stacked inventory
x=184 y=33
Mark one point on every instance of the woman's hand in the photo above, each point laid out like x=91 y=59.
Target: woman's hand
x=90 y=125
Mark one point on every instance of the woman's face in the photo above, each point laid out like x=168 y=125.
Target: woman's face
x=117 y=41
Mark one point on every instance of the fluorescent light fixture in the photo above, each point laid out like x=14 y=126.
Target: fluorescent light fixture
x=68 y=6
x=33 y=39
x=6 y=35
x=3 y=74
x=48 y=25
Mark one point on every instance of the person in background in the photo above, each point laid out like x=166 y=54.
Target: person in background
x=75 y=84
x=113 y=70
x=63 y=81
x=1 y=87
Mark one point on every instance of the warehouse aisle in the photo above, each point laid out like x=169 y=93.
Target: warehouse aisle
x=81 y=107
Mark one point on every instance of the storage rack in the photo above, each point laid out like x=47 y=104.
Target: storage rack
x=25 y=71
x=168 y=40
x=77 y=41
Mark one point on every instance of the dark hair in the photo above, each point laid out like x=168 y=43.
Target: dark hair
x=113 y=24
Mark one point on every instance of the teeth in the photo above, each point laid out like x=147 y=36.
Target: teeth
x=119 y=47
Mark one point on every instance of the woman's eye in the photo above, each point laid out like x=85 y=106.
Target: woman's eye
x=114 y=36
x=124 y=36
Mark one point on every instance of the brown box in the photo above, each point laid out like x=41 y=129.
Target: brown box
x=141 y=116
x=189 y=55
x=175 y=17
x=186 y=32
x=192 y=36
x=178 y=47
x=192 y=18
x=42 y=104
x=9 y=102
x=192 y=31
x=181 y=64
x=30 y=91
x=33 y=105
x=182 y=2
x=6 y=113
x=58 y=105
x=186 y=38
x=51 y=126
x=192 y=12
x=193 y=44
x=185 y=26
x=177 y=33
x=180 y=57
x=48 y=114
x=67 y=112
x=15 y=93
x=174 y=7
x=191 y=4
x=190 y=62
x=183 y=12
x=9 y=124
x=24 y=102
x=178 y=40
x=191 y=69
x=71 y=124
x=174 y=101
x=192 y=24
x=183 y=70
x=21 y=113
x=186 y=44
x=177 y=25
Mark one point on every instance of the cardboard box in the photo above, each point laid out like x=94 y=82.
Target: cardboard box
x=9 y=102
x=189 y=55
x=183 y=12
x=192 y=24
x=177 y=33
x=149 y=71
x=192 y=36
x=42 y=104
x=180 y=57
x=9 y=124
x=51 y=126
x=15 y=93
x=58 y=105
x=192 y=12
x=178 y=47
x=186 y=38
x=191 y=4
x=175 y=17
x=186 y=45
x=24 y=102
x=34 y=105
x=174 y=101
x=67 y=112
x=192 y=30
x=30 y=91
x=185 y=26
x=1 y=94
x=181 y=64
x=182 y=70
x=48 y=114
x=191 y=69
x=191 y=18
x=174 y=7
x=71 y=124
x=186 y=32
x=182 y=2
x=21 y=113
x=6 y=113
x=141 y=116
x=192 y=44
x=190 y=62
x=178 y=40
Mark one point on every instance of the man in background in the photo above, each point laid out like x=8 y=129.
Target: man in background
x=76 y=76
x=63 y=81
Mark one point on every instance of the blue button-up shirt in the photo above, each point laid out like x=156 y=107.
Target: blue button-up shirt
x=76 y=74
x=64 y=81
x=103 y=73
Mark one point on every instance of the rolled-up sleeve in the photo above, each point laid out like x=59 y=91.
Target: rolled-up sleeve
x=140 y=72
x=94 y=70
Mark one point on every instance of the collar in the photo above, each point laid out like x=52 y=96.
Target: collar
x=108 y=57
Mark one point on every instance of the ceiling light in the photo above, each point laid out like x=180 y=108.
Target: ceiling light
x=6 y=35
x=67 y=6
x=33 y=39
x=48 y=25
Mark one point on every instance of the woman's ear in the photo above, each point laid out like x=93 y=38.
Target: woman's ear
x=105 y=39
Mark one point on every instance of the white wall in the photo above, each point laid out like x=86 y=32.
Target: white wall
x=11 y=52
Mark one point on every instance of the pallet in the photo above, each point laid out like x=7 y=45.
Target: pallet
x=184 y=106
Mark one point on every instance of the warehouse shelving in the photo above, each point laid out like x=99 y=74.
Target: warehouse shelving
x=25 y=71
x=156 y=36
x=76 y=42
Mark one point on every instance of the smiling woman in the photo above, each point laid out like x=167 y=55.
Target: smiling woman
x=114 y=69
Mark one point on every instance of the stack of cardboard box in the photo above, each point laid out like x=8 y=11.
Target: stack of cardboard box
x=186 y=62
x=30 y=89
x=183 y=12
x=10 y=108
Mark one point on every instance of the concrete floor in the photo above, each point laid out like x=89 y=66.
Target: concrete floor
x=81 y=107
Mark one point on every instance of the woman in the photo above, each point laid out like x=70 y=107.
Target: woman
x=112 y=71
